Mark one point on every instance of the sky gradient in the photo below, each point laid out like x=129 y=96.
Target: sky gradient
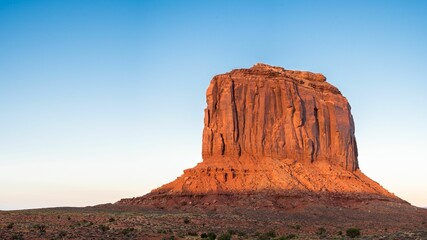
x=101 y=100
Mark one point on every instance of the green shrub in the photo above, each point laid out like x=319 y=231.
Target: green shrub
x=172 y=237
x=128 y=231
x=62 y=234
x=204 y=235
x=241 y=234
x=321 y=231
x=10 y=226
x=17 y=236
x=104 y=228
x=41 y=228
x=225 y=236
x=287 y=237
x=263 y=237
x=211 y=236
x=271 y=234
x=353 y=232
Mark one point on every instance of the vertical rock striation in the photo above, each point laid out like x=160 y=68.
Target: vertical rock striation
x=267 y=111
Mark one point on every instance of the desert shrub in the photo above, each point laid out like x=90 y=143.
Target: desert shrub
x=62 y=234
x=186 y=220
x=104 y=228
x=297 y=227
x=321 y=231
x=204 y=235
x=10 y=226
x=69 y=218
x=271 y=234
x=41 y=228
x=111 y=219
x=263 y=237
x=17 y=236
x=287 y=237
x=225 y=236
x=169 y=238
x=339 y=233
x=241 y=234
x=353 y=232
x=128 y=231
x=211 y=236
x=192 y=234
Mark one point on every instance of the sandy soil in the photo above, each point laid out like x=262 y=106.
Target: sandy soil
x=375 y=219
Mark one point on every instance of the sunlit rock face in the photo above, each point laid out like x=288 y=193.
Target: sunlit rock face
x=267 y=111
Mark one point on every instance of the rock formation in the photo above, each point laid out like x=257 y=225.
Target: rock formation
x=271 y=112
x=277 y=132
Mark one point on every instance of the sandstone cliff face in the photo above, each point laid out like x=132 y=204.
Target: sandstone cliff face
x=272 y=132
x=267 y=111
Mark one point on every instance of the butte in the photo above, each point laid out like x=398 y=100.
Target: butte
x=272 y=138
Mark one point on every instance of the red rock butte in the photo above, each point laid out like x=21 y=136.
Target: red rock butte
x=273 y=132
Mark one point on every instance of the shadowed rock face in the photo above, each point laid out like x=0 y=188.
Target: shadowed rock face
x=272 y=132
x=267 y=111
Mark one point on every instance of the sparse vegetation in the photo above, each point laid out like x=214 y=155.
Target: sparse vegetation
x=41 y=228
x=287 y=237
x=263 y=237
x=297 y=227
x=172 y=237
x=321 y=232
x=94 y=224
x=271 y=234
x=241 y=234
x=17 y=236
x=127 y=231
x=104 y=228
x=353 y=232
x=211 y=236
x=62 y=234
x=10 y=226
x=225 y=236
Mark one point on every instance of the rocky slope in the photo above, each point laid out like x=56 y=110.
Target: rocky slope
x=272 y=132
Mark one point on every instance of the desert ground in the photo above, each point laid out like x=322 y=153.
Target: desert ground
x=362 y=220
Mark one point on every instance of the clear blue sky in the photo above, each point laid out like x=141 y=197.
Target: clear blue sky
x=101 y=100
